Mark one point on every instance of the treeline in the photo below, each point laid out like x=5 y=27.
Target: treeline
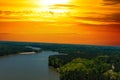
x=87 y=63
x=7 y=49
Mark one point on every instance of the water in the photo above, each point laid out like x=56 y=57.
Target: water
x=27 y=67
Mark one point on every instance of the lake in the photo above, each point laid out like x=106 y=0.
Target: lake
x=27 y=67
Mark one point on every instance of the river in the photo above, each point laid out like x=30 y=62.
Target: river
x=27 y=67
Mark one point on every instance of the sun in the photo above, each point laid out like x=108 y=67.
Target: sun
x=52 y=2
x=51 y=8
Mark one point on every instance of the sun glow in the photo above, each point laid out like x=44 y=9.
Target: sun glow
x=52 y=2
x=52 y=7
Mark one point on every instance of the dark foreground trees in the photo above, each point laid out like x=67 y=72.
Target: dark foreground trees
x=83 y=69
x=82 y=65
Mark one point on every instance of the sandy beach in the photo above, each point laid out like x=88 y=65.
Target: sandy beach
x=28 y=53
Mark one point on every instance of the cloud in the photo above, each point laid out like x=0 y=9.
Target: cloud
x=5 y=12
x=111 y=2
x=15 y=12
x=8 y=15
x=4 y=17
x=15 y=15
x=113 y=18
x=68 y=6
x=89 y=18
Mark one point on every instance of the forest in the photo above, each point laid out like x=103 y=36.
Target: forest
x=75 y=62
x=85 y=62
x=8 y=49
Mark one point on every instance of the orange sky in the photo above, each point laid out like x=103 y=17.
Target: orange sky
x=63 y=21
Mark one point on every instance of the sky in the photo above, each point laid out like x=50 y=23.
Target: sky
x=95 y=22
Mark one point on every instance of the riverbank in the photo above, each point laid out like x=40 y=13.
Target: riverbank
x=28 y=53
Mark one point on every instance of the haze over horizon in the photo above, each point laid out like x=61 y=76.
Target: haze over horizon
x=61 y=21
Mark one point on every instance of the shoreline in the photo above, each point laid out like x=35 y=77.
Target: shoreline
x=27 y=53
